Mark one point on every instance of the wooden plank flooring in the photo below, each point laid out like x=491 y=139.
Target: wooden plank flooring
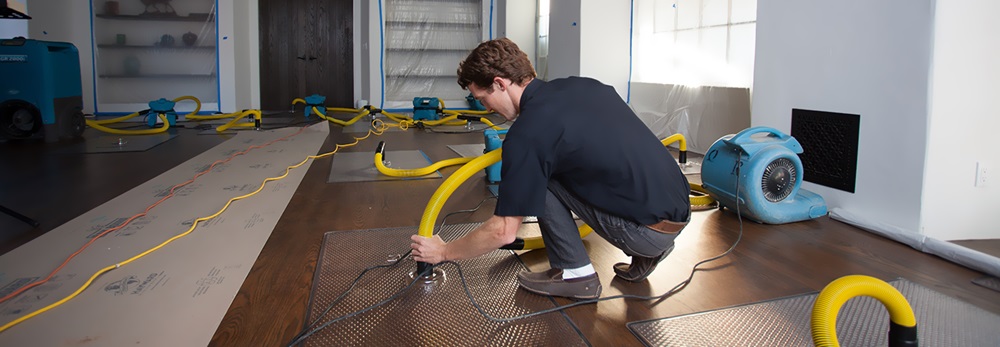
x=769 y=262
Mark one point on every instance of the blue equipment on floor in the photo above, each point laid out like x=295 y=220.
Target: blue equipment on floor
x=474 y=104
x=770 y=176
x=41 y=90
x=493 y=141
x=317 y=101
x=164 y=107
x=427 y=108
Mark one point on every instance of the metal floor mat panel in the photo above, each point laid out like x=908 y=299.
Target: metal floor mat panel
x=428 y=314
x=120 y=143
x=862 y=321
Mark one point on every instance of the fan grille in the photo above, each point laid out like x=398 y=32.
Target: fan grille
x=778 y=180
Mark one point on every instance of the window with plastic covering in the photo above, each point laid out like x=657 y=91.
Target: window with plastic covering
x=694 y=42
x=423 y=43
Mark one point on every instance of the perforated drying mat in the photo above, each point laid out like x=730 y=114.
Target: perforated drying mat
x=863 y=321
x=434 y=314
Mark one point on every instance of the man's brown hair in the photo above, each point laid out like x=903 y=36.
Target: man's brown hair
x=495 y=58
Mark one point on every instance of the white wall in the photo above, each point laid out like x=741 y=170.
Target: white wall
x=247 y=57
x=858 y=57
x=67 y=21
x=564 y=39
x=604 y=44
x=590 y=39
x=963 y=121
x=227 y=21
x=11 y=28
x=518 y=24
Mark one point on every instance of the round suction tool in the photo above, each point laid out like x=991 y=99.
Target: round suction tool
x=436 y=276
x=778 y=179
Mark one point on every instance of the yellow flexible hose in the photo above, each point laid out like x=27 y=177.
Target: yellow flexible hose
x=343 y=109
x=114 y=120
x=676 y=138
x=835 y=294
x=197 y=107
x=475 y=112
x=239 y=116
x=426 y=228
x=486 y=121
x=408 y=122
x=700 y=200
x=440 y=196
x=537 y=242
x=98 y=126
x=340 y=122
x=212 y=117
x=417 y=172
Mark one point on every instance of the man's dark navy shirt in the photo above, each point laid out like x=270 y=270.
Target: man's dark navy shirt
x=580 y=133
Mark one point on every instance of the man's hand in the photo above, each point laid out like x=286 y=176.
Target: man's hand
x=428 y=249
x=494 y=233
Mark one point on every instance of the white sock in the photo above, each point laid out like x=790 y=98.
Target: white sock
x=582 y=271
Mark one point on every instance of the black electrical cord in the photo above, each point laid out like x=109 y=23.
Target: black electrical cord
x=305 y=333
x=302 y=336
x=431 y=129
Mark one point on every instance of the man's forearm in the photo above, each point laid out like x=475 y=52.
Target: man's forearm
x=493 y=234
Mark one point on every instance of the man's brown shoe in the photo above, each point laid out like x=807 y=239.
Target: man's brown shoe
x=641 y=267
x=551 y=283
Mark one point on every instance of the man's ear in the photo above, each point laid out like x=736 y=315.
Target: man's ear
x=501 y=82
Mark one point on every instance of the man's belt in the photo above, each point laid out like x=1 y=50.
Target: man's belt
x=668 y=227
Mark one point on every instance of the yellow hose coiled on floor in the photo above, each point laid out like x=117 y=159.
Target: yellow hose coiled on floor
x=238 y=116
x=475 y=112
x=360 y=115
x=700 y=200
x=413 y=172
x=903 y=327
x=98 y=126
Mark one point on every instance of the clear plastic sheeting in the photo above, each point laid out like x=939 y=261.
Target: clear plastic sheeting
x=144 y=53
x=952 y=252
x=701 y=114
x=424 y=41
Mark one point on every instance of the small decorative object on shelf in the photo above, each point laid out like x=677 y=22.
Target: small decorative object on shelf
x=131 y=65
x=166 y=41
x=111 y=8
x=189 y=39
x=120 y=39
x=158 y=8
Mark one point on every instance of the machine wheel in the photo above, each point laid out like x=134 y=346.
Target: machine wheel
x=19 y=119
x=77 y=124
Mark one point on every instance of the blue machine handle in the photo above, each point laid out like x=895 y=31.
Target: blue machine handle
x=743 y=141
x=743 y=136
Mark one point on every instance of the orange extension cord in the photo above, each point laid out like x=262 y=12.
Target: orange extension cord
x=143 y=214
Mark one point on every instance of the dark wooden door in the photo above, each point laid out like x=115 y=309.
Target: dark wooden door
x=306 y=47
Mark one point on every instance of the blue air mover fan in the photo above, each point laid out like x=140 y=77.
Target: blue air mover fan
x=427 y=108
x=770 y=174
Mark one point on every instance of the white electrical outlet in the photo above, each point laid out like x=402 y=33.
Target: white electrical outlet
x=982 y=174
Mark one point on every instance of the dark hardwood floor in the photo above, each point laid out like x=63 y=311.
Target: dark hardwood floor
x=270 y=308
